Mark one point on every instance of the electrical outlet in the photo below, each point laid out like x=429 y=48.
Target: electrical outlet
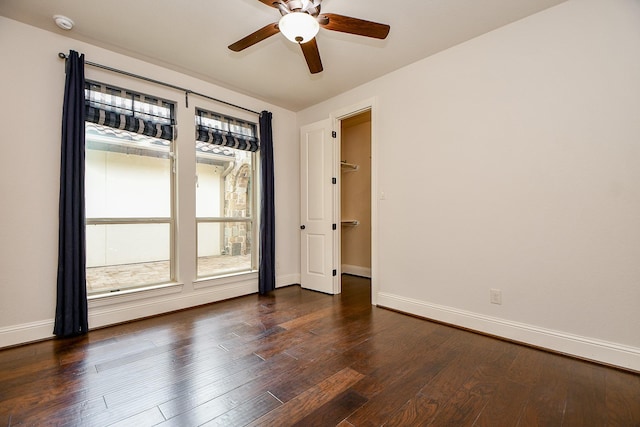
x=495 y=296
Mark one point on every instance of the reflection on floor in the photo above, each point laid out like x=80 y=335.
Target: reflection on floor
x=101 y=279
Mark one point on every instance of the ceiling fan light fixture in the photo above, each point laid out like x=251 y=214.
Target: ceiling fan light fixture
x=299 y=27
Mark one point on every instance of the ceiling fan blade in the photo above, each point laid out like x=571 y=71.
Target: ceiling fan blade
x=346 y=24
x=312 y=55
x=271 y=3
x=255 y=37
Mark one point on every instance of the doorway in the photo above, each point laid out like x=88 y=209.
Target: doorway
x=355 y=195
x=321 y=214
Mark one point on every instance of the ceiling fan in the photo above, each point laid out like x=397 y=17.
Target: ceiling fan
x=301 y=21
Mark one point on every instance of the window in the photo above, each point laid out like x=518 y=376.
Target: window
x=225 y=195
x=128 y=189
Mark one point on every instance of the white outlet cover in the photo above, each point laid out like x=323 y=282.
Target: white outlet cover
x=495 y=296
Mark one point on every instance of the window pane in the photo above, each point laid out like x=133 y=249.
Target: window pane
x=128 y=185
x=209 y=190
x=224 y=186
x=121 y=256
x=224 y=247
x=127 y=175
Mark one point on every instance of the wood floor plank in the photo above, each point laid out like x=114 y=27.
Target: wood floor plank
x=302 y=322
x=527 y=367
x=42 y=389
x=547 y=399
x=334 y=411
x=470 y=400
x=197 y=396
x=505 y=406
x=148 y=418
x=272 y=346
x=246 y=412
x=436 y=394
x=97 y=354
x=126 y=382
x=419 y=410
x=185 y=349
x=22 y=368
x=586 y=399
x=178 y=383
x=269 y=380
x=301 y=357
x=305 y=376
x=622 y=408
x=64 y=413
x=127 y=399
x=121 y=408
x=203 y=413
x=296 y=409
x=395 y=384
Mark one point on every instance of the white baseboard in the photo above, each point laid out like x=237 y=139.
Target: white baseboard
x=26 y=332
x=356 y=270
x=287 y=279
x=584 y=347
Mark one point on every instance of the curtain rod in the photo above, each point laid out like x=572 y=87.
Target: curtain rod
x=158 y=82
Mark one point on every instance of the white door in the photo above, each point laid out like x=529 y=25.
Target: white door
x=317 y=207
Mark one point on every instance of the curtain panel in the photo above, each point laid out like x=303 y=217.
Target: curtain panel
x=267 y=272
x=71 y=300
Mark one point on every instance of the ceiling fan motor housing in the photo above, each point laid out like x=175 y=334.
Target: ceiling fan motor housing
x=312 y=7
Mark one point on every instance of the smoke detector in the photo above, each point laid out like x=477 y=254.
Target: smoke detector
x=63 y=22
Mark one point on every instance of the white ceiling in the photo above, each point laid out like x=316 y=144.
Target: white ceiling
x=191 y=36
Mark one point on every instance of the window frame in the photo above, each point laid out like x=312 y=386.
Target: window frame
x=173 y=208
x=254 y=194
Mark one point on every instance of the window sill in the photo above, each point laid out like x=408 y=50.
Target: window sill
x=225 y=279
x=109 y=298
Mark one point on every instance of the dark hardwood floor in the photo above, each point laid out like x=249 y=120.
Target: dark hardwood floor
x=306 y=359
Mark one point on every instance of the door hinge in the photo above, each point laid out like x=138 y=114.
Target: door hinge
x=335 y=272
x=334 y=226
x=334 y=180
x=334 y=134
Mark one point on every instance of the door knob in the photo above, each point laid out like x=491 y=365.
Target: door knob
x=302 y=227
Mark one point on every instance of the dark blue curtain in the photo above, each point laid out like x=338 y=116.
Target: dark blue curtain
x=71 y=308
x=267 y=274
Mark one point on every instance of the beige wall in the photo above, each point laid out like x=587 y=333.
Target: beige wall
x=355 y=195
x=511 y=162
x=519 y=156
x=32 y=83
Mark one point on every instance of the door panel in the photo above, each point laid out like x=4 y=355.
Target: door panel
x=316 y=251
x=316 y=210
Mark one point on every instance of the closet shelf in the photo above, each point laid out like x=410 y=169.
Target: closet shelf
x=350 y=222
x=349 y=166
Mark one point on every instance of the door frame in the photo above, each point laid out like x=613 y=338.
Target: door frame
x=336 y=118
